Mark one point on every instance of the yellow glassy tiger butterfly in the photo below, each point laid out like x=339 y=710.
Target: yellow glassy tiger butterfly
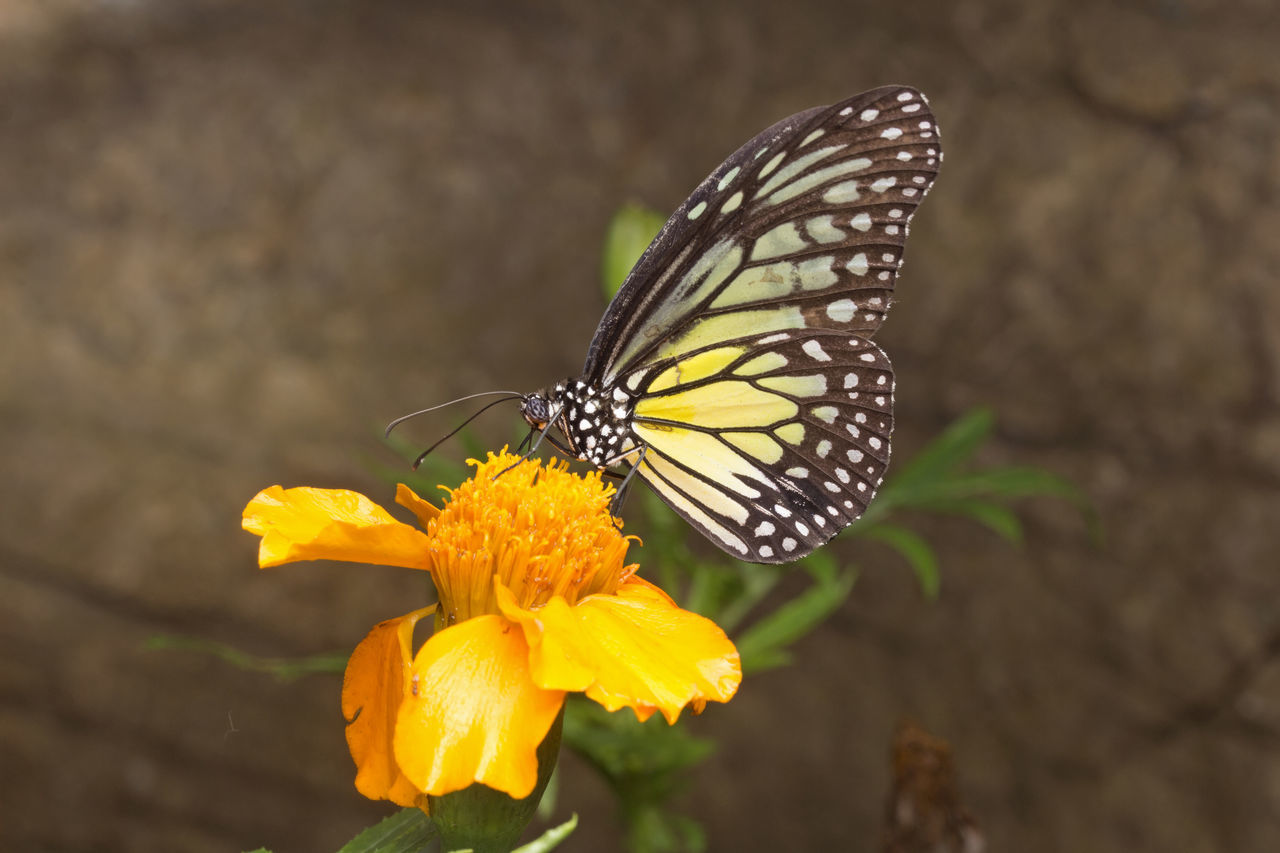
x=734 y=371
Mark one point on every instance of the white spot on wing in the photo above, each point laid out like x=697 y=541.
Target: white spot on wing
x=772 y=164
x=815 y=351
x=841 y=311
x=812 y=136
x=728 y=178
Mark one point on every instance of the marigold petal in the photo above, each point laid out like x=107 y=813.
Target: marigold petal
x=473 y=713
x=373 y=688
x=330 y=524
x=635 y=649
x=410 y=500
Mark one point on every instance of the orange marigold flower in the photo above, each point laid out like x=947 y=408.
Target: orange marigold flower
x=535 y=600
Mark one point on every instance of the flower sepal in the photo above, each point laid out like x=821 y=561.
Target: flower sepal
x=485 y=820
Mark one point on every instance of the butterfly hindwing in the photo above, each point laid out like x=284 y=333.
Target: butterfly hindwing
x=770 y=444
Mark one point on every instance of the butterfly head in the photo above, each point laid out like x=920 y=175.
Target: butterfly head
x=536 y=409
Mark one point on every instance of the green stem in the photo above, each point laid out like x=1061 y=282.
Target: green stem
x=483 y=820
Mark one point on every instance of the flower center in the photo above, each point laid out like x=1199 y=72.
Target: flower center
x=539 y=530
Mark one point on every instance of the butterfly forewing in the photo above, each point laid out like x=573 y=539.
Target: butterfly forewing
x=813 y=211
x=738 y=350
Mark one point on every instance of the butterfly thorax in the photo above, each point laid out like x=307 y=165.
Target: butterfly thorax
x=595 y=420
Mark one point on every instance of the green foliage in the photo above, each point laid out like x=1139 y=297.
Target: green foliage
x=646 y=765
x=406 y=831
x=550 y=839
x=941 y=479
x=631 y=231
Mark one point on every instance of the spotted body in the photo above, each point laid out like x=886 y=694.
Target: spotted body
x=735 y=368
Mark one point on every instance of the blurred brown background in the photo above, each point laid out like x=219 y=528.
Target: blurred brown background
x=238 y=237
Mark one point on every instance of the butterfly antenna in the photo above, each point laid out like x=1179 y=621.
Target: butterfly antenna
x=510 y=395
x=424 y=454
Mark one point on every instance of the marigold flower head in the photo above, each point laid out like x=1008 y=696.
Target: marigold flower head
x=540 y=532
x=535 y=600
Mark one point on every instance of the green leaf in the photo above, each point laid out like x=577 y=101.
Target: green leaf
x=914 y=550
x=957 y=444
x=623 y=748
x=998 y=518
x=652 y=829
x=260 y=850
x=550 y=839
x=754 y=583
x=407 y=831
x=631 y=231
x=550 y=796
x=762 y=646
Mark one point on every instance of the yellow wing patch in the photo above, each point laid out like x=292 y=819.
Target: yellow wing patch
x=763 y=363
x=710 y=331
x=731 y=403
x=704 y=452
x=814 y=385
x=757 y=444
x=792 y=433
x=695 y=367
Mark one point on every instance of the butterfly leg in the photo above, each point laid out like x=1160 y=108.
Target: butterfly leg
x=615 y=506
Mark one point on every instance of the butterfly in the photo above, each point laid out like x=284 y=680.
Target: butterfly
x=734 y=371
